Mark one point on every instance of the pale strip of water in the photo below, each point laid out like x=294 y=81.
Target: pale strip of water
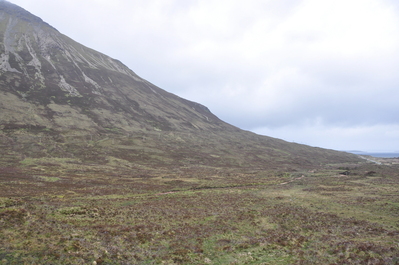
x=385 y=155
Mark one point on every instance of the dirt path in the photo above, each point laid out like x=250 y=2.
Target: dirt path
x=284 y=183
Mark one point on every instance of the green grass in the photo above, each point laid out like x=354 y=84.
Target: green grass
x=48 y=179
x=67 y=211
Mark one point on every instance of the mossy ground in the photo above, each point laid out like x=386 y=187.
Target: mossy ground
x=65 y=211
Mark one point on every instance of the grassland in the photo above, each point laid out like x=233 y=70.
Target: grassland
x=131 y=174
x=65 y=211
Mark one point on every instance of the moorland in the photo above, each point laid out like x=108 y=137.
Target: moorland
x=71 y=210
x=99 y=166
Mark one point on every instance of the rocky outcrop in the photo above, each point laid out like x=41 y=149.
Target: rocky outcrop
x=41 y=67
x=52 y=84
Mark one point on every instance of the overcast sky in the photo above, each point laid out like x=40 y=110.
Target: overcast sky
x=319 y=72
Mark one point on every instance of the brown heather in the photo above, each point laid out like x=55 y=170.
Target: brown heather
x=52 y=213
x=99 y=166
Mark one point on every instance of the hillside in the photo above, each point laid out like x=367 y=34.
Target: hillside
x=59 y=98
x=99 y=166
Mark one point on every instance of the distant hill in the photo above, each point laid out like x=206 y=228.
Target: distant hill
x=59 y=98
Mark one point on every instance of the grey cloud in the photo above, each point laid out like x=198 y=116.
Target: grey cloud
x=263 y=64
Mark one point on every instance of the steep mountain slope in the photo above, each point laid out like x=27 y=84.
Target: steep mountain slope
x=55 y=75
x=59 y=98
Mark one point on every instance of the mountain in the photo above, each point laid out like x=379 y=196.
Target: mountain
x=59 y=98
x=57 y=79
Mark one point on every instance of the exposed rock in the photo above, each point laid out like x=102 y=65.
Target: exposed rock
x=52 y=87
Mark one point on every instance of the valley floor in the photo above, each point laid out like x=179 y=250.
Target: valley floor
x=63 y=211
